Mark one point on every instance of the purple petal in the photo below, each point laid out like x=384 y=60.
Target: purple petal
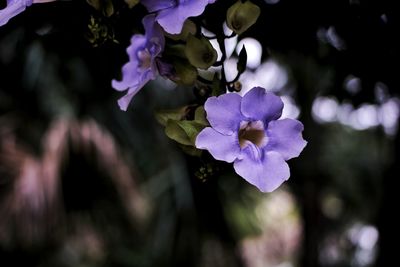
x=285 y=138
x=130 y=77
x=258 y=104
x=133 y=77
x=154 y=33
x=172 y=19
x=251 y=150
x=138 y=42
x=131 y=74
x=124 y=101
x=266 y=173
x=221 y=147
x=157 y=5
x=223 y=113
x=13 y=8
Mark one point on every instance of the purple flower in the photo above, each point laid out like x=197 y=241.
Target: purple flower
x=142 y=65
x=171 y=14
x=246 y=131
x=14 y=7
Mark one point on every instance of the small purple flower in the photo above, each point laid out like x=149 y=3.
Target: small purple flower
x=171 y=14
x=14 y=7
x=142 y=65
x=246 y=131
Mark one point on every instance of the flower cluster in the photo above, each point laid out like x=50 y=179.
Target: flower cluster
x=244 y=130
x=145 y=50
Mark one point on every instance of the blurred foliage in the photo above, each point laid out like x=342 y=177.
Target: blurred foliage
x=99 y=33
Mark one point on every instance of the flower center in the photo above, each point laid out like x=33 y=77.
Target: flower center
x=252 y=132
x=144 y=58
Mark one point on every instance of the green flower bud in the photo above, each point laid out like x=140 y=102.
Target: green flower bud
x=186 y=74
x=200 y=52
x=131 y=3
x=241 y=16
x=105 y=6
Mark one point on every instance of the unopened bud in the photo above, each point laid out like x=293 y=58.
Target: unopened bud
x=131 y=3
x=241 y=16
x=200 y=52
x=186 y=74
x=237 y=86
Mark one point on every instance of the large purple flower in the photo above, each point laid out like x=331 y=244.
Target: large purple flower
x=142 y=65
x=171 y=14
x=246 y=131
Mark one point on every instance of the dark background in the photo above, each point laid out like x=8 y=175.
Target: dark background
x=85 y=184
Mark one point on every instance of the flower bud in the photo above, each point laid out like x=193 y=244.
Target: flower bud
x=185 y=74
x=106 y=7
x=131 y=3
x=200 y=52
x=241 y=16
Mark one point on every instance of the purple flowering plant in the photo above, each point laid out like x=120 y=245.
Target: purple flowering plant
x=142 y=65
x=242 y=128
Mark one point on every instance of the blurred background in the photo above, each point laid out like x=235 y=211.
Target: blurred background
x=85 y=184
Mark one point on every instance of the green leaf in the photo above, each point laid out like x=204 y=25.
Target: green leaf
x=241 y=65
x=190 y=150
x=200 y=116
x=177 y=114
x=183 y=132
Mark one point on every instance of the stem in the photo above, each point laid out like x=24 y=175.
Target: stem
x=236 y=78
x=218 y=63
x=203 y=80
x=221 y=43
x=233 y=34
